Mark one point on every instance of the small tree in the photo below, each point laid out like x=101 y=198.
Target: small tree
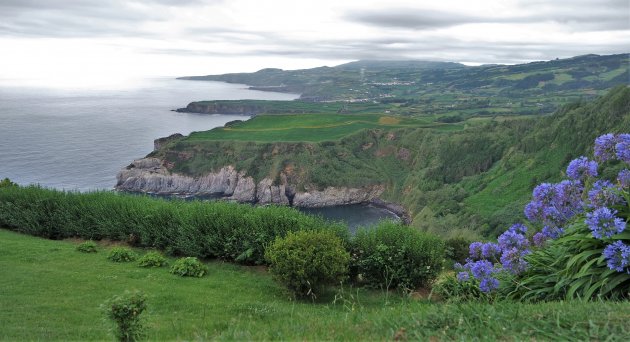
x=125 y=311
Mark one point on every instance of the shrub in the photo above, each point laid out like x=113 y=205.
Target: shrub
x=125 y=311
x=391 y=255
x=6 y=182
x=189 y=267
x=152 y=259
x=121 y=254
x=450 y=289
x=456 y=249
x=305 y=262
x=87 y=247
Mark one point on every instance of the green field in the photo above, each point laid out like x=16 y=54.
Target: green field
x=311 y=127
x=49 y=291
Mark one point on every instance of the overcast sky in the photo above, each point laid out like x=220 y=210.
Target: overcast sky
x=77 y=40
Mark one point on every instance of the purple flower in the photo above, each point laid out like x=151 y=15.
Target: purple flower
x=605 y=147
x=490 y=250
x=512 y=260
x=511 y=239
x=624 y=178
x=534 y=211
x=463 y=276
x=539 y=239
x=617 y=256
x=604 y=194
x=481 y=269
x=544 y=193
x=581 y=168
x=488 y=284
x=604 y=223
x=552 y=232
x=519 y=228
x=623 y=147
x=568 y=198
x=474 y=250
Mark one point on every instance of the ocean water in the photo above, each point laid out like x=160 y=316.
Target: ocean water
x=78 y=139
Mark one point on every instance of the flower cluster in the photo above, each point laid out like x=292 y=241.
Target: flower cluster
x=553 y=206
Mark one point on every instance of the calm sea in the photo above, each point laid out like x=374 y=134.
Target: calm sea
x=78 y=139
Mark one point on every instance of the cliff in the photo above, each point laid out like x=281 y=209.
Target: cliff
x=149 y=175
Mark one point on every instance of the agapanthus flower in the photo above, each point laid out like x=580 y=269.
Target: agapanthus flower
x=552 y=232
x=605 y=147
x=544 y=193
x=490 y=250
x=568 y=198
x=474 y=250
x=539 y=239
x=623 y=147
x=624 y=178
x=488 y=284
x=604 y=194
x=582 y=168
x=534 y=211
x=512 y=239
x=617 y=256
x=518 y=228
x=513 y=260
x=603 y=223
x=463 y=276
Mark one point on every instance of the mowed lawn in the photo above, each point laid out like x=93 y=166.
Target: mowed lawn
x=49 y=291
x=307 y=127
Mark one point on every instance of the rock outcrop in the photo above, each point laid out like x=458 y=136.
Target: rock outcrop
x=149 y=175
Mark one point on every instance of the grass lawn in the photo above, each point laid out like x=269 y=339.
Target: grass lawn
x=49 y=291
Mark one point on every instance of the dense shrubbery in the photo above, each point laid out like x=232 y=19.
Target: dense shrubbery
x=189 y=267
x=391 y=255
x=122 y=254
x=307 y=261
x=152 y=259
x=580 y=249
x=125 y=311
x=236 y=232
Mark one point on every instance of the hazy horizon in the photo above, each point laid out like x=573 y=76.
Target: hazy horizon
x=91 y=43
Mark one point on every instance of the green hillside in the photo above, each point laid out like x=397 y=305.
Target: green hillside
x=453 y=178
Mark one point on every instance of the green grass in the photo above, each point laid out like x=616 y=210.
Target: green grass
x=49 y=291
x=309 y=127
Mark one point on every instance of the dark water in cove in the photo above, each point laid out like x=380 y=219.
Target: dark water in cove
x=78 y=139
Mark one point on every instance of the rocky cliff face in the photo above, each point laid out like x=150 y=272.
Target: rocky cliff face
x=149 y=175
x=221 y=108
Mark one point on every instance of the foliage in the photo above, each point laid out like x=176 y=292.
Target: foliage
x=152 y=259
x=121 y=254
x=189 y=267
x=125 y=311
x=6 y=182
x=87 y=247
x=229 y=231
x=447 y=287
x=392 y=255
x=456 y=249
x=307 y=261
x=582 y=248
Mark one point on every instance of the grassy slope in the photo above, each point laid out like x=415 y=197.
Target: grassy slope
x=51 y=292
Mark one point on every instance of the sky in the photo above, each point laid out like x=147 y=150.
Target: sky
x=110 y=41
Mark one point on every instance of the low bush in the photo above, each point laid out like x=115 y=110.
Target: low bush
x=121 y=254
x=456 y=250
x=229 y=231
x=152 y=259
x=451 y=289
x=189 y=267
x=305 y=262
x=392 y=255
x=125 y=311
x=87 y=247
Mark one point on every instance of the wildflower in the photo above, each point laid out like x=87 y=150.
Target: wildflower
x=488 y=284
x=490 y=250
x=604 y=223
x=604 y=194
x=623 y=147
x=513 y=260
x=539 y=239
x=605 y=147
x=581 y=168
x=552 y=232
x=511 y=239
x=474 y=250
x=463 y=276
x=617 y=256
x=568 y=198
x=624 y=178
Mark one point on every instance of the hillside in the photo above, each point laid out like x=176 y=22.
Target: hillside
x=437 y=88
x=451 y=178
